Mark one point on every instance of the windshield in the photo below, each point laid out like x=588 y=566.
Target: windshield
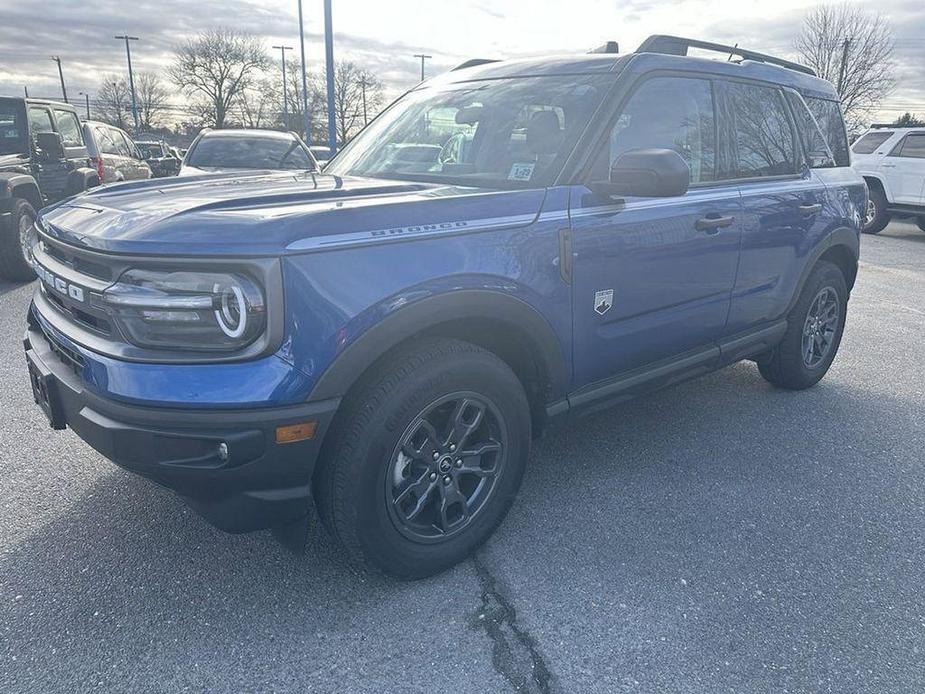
x=239 y=152
x=491 y=133
x=12 y=128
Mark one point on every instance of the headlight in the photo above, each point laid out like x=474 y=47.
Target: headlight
x=186 y=310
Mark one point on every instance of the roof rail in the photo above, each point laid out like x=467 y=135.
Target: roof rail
x=473 y=62
x=676 y=45
x=608 y=47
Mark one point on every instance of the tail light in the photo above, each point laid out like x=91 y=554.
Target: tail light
x=98 y=163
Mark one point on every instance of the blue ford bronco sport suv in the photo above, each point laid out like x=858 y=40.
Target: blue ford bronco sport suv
x=506 y=245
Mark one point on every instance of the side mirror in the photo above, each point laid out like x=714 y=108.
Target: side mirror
x=51 y=145
x=649 y=173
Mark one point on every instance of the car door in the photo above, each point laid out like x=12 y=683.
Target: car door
x=652 y=277
x=784 y=202
x=905 y=170
x=51 y=172
x=123 y=154
x=75 y=151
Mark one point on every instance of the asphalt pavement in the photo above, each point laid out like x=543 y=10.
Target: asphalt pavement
x=719 y=536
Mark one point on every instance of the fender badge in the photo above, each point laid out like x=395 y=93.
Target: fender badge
x=603 y=301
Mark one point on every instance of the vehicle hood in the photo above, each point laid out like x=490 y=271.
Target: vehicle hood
x=274 y=213
x=12 y=161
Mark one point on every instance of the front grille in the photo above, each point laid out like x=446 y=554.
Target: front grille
x=95 y=323
x=71 y=281
x=81 y=264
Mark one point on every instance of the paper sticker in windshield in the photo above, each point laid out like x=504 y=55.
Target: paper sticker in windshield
x=522 y=171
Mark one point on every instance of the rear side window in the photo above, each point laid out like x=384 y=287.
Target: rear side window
x=127 y=144
x=762 y=136
x=815 y=146
x=828 y=117
x=103 y=141
x=69 y=128
x=913 y=146
x=40 y=121
x=871 y=141
x=12 y=129
x=121 y=147
x=673 y=113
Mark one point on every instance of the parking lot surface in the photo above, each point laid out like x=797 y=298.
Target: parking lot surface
x=717 y=536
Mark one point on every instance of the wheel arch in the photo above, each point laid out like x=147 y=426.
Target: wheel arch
x=82 y=179
x=843 y=248
x=507 y=326
x=20 y=186
x=845 y=259
x=875 y=183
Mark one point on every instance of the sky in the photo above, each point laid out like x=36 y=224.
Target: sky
x=384 y=35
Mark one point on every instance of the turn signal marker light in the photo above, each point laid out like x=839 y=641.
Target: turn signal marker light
x=295 y=432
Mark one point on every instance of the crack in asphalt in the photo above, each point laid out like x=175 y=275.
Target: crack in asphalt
x=514 y=652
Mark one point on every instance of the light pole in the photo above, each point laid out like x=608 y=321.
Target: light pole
x=86 y=96
x=61 y=75
x=329 y=64
x=131 y=77
x=282 y=55
x=306 y=116
x=423 y=58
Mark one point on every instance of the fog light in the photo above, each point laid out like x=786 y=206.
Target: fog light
x=295 y=432
x=223 y=452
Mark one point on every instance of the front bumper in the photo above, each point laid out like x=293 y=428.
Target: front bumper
x=259 y=484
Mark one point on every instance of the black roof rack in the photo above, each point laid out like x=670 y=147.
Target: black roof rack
x=676 y=45
x=608 y=47
x=473 y=62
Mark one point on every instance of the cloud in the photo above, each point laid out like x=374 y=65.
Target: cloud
x=383 y=36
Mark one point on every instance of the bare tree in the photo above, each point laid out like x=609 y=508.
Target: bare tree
x=853 y=49
x=216 y=67
x=258 y=106
x=151 y=96
x=357 y=98
x=114 y=102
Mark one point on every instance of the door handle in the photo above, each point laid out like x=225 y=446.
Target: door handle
x=713 y=223
x=888 y=166
x=807 y=210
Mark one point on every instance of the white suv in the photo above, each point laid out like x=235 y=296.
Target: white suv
x=892 y=161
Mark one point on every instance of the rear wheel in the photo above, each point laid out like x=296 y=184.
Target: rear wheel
x=877 y=217
x=426 y=459
x=814 y=330
x=17 y=238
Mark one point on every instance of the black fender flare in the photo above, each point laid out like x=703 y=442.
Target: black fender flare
x=18 y=185
x=81 y=179
x=421 y=315
x=842 y=237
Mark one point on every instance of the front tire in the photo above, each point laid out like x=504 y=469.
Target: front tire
x=16 y=238
x=425 y=459
x=814 y=331
x=877 y=217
